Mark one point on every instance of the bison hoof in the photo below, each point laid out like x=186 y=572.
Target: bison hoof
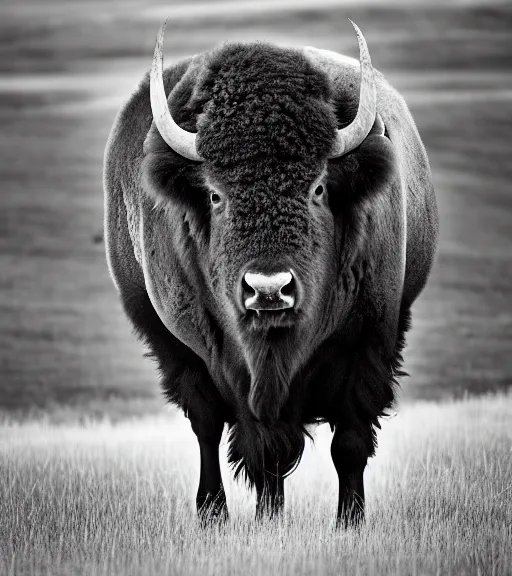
x=350 y=517
x=212 y=510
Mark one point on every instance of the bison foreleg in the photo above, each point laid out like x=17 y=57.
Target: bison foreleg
x=211 y=498
x=349 y=453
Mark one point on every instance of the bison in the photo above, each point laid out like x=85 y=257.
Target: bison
x=270 y=219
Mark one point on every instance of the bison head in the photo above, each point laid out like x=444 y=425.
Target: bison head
x=255 y=180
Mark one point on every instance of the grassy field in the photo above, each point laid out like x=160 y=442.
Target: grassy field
x=117 y=499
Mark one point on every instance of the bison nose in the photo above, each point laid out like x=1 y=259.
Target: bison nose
x=268 y=291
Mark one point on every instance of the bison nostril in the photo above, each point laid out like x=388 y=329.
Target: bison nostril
x=247 y=290
x=289 y=289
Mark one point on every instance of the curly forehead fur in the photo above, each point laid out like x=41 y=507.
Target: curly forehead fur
x=263 y=102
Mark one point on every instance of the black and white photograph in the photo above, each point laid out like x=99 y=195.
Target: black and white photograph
x=255 y=287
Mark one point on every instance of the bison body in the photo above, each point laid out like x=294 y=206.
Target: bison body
x=348 y=241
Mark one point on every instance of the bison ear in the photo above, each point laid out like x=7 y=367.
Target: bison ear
x=365 y=172
x=167 y=177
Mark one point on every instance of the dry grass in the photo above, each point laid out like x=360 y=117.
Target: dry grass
x=118 y=499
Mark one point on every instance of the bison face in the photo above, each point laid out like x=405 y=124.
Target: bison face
x=271 y=237
x=265 y=134
x=271 y=266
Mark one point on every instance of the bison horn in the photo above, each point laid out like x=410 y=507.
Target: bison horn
x=352 y=135
x=181 y=141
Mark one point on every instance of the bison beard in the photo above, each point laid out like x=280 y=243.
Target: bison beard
x=272 y=442
x=269 y=385
x=273 y=361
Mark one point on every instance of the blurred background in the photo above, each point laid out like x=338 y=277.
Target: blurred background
x=65 y=69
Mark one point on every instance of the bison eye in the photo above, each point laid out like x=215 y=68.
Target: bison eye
x=215 y=198
x=319 y=190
